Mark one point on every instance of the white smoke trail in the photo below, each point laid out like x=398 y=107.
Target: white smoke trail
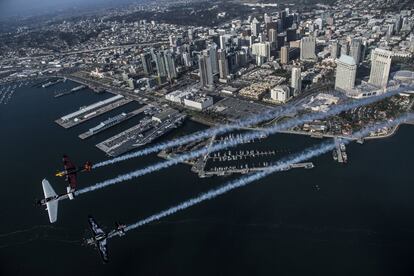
x=231 y=143
x=281 y=165
x=200 y=135
x=231 y=127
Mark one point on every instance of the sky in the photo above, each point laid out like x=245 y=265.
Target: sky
x=33 y=7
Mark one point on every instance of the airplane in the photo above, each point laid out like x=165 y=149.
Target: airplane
x=70 y=171
x=100 y=238
x=52 y=199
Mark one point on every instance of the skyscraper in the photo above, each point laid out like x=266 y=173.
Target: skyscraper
x=296 y=82
x=344 y=48
x=284 y=55
x=308 y=48
x=291 y=34
x=206 y=72
x=223 y=64
x=273 y=38
x=147 y=63
x=255 y=27
x=346 y=69
x=213 y=56
x=261 y=49
x=159 y=63
x=224 y=40
x=335 y=49
x=187 y=59
x=355 y=50
x=191 y=34
x=380 y=67
x=282 y=16
x=412 y=43
x=170 y=65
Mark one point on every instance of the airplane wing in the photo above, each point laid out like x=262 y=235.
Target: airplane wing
x=103 y=250
x=67 y=164
x=94 y=226
x=72 y=180
x=51 y=206
x=70 y=168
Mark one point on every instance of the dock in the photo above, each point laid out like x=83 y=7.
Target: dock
x=59 y=94
x=339 y=153
x=51 y=83
x=86 y=113
x=110 y=122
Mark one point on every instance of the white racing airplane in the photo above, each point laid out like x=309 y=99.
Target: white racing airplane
x=52 y=199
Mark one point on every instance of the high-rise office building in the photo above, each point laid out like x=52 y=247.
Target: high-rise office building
x=158 y=57
x=291 y=34
x=308 y=48
x=223 y=64
x=282 y=16
x=206 y=72
x=255 y=27
x=355 y=50
x=213 y=56
x=284 y=55
x=411 y=43
x=335 y=49
x=281 y=40
x=147 y=63
x=346 y=70
x=296 y=81
x=344 y=48
x=261 y=49
x=273 y=38
x=170 y=65
x=188 y=62
x=380 y=67
x=191 y=34
x=224 y=41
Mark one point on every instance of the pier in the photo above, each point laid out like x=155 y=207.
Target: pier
x=110 y=123
x=245 y=169
x=92 y=111
x=68 y=91
x=51 y=83
x=339 y=153
x=242 y=154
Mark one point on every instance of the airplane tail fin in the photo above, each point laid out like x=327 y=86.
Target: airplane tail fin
x=51 y=206
x=87 y=167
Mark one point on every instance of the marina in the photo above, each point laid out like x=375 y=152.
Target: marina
x=86 y=113
x=7 y=91
x=110 y=122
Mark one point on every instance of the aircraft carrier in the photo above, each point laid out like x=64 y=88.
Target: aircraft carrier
x=148 y=129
